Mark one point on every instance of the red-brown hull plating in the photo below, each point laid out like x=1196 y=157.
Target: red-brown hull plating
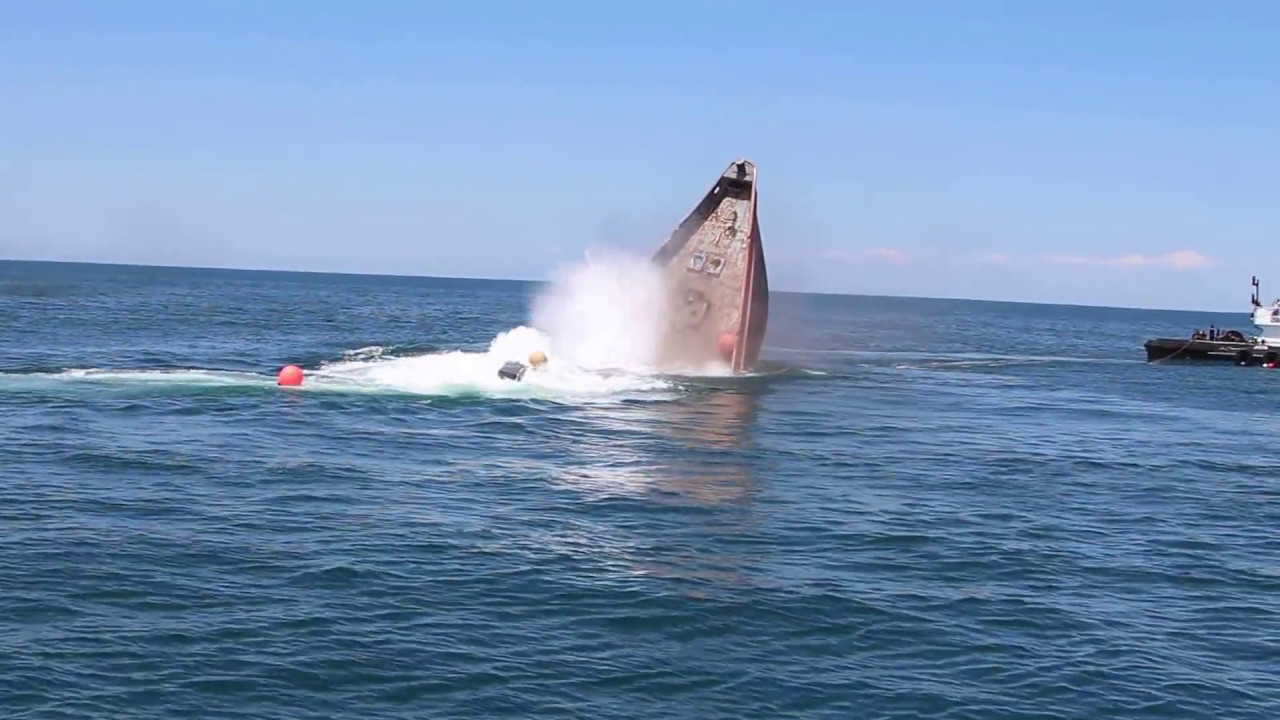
x=717 y=281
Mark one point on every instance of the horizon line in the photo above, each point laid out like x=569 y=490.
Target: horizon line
x=229 y=268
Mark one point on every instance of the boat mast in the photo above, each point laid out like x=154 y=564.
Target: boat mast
x=1257 y=296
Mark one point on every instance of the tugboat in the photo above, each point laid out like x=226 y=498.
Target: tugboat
x=1230 y=345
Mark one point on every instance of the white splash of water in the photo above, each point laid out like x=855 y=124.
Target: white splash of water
x=607 y=312
x=459 y=372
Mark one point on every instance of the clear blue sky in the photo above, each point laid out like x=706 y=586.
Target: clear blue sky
x=1086 y=151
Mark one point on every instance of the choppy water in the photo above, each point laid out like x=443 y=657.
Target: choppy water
x=922 y=509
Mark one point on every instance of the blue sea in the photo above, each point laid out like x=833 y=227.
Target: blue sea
x=914 y=509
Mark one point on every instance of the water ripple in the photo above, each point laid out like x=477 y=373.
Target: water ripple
x=900 y=520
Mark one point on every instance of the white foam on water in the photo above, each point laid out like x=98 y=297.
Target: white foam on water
x=461 y=372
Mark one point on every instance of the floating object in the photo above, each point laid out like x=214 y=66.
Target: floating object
x=1205 y=350
x=1226 y=346
x=289 y=375
x=716 y=278
x=728 y=341
x=513 y=370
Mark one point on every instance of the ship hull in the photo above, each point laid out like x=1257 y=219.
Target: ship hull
x=716 y=277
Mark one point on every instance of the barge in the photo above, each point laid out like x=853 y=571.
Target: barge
x=1231 y=346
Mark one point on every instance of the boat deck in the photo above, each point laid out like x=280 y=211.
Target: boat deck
x=1240 y=353
x=1232 y=346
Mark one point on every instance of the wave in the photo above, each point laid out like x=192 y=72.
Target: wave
x=377 y=369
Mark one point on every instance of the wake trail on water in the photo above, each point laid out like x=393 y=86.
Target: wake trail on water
x=600 y=322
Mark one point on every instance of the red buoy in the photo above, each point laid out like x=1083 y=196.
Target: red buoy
x=727 y=342
x=289 y=375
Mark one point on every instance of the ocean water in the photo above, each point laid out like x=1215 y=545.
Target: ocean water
x=917 y=509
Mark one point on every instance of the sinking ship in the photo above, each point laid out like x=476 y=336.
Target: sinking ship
x=717 y=284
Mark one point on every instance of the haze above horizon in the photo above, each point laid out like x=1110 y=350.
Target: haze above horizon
x=1091 y=154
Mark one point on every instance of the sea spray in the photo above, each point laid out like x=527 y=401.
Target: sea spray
x=608 y=311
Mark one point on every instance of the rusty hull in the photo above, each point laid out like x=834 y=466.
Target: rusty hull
x=717 y=283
